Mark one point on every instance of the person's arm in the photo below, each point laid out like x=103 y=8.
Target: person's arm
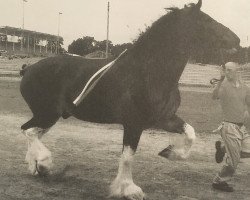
x=215 y=94
x=217 y=89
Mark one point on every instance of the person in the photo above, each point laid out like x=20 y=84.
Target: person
x=234 y=99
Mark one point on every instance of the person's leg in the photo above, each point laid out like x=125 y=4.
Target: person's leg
x=231 y=137
x=220 y=151
x=245 y=144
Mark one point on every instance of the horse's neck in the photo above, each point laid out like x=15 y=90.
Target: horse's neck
x=168 y=68
x=167 y=56
x=163 y=75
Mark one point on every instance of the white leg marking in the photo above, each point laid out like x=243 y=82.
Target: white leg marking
x=182 y=151
x=123 y=185
x=189 y=130
x=38 y=156
x=189 y=139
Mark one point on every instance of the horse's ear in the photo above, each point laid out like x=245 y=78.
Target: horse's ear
x=198 y=5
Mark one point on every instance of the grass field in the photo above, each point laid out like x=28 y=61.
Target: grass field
x=86 y=156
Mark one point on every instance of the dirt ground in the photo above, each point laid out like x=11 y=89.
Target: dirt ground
x=86 y=156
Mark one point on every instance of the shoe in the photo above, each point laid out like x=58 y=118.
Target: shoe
x=166 y=152
x=219 y=155
x=223 y=186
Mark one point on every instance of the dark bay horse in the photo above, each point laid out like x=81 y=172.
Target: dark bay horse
x=139 y=91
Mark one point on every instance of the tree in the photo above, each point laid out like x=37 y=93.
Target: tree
x=101 y=45
x=83 y=46
x=87 y=45
x=119 y=48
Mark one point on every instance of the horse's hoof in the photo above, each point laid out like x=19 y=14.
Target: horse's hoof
x=125 y=190
x=173 y=154
x=42 y=170
x=133 y=192
x=166 y=152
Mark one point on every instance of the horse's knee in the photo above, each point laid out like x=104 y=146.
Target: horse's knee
x=131 y=137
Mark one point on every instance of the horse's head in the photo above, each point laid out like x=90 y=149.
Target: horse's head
x=203 y=30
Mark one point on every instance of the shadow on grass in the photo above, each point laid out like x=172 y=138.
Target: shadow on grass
x=63 y=183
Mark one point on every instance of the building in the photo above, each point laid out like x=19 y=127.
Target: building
x=25 y=42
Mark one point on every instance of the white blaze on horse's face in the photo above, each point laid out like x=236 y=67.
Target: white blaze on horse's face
x=123 y=185
x=38 y=156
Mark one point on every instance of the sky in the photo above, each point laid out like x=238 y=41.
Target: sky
x=127 y=18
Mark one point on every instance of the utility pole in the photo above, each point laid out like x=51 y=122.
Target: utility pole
x=22 y=27
x=58 y=34
x=107 y=41
x=246 y=56
x=23 y=13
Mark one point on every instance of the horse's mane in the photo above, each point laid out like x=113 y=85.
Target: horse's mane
x=162 y=33
x=168 y=18
x=157 y=49
x=174 y=9
x=153 y=42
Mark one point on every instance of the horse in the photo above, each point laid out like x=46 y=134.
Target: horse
x=139 y=91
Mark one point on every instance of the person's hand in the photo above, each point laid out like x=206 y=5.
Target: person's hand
x=222 y=73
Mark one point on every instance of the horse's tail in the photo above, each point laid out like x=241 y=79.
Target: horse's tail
x=23 y=70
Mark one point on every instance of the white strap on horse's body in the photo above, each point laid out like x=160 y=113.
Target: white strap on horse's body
x=88 y=84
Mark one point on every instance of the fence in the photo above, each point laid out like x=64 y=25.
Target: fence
x=193 y=75
x=200 y=75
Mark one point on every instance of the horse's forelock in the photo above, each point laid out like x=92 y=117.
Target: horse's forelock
x=186 y=6
x=190 y=5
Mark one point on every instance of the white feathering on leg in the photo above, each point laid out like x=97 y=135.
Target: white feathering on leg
x=189 y=139
x=183 y=144
x=189 y=130
x=37 y=155
x=123 y=185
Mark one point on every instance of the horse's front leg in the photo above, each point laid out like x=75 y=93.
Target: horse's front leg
x=123 y=185
x=181 y=147
x=38 y=156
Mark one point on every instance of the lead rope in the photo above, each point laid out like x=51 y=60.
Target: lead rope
x=214 y=81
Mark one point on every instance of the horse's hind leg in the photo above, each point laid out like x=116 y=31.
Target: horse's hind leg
x=38 y=156
x=123 y=185
x=181 y=147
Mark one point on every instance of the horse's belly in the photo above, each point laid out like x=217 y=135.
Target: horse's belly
x=96 y=112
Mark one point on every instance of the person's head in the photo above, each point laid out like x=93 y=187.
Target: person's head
x=231 y=71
